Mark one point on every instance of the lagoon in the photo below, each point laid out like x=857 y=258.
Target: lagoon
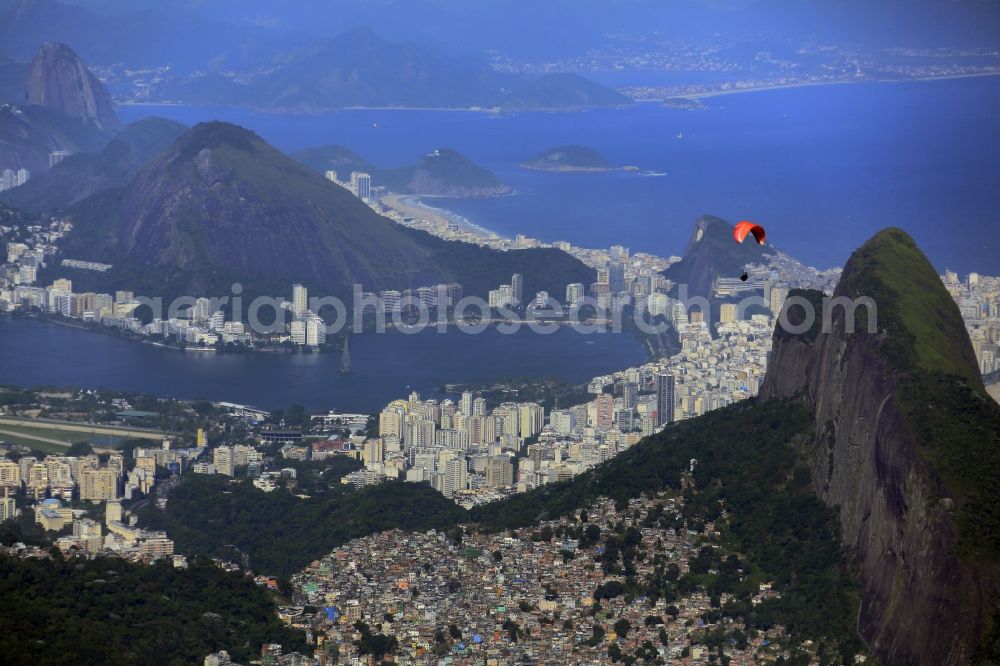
x=386 y=365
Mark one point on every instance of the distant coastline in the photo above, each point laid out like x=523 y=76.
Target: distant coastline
x=501 y=111
x=811 y=84
x=299 y=111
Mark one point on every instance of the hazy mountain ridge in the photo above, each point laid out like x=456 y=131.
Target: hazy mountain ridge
x=29 y=133
x=139 y=37
x=361 y=69
x=561 y=27
x=237 y=63
x=83 y=174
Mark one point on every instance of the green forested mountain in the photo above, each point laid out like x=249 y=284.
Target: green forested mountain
x=107 y=611
x=281 y=533
x=222 y=206
x=745 y=463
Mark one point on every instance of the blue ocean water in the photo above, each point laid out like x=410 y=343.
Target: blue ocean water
x=821 y=167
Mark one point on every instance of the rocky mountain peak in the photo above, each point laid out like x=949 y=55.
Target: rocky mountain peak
x=906 y=448
x=712 y=253
x=59 y=79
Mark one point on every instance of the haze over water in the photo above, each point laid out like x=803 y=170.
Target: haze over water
x=821 y=167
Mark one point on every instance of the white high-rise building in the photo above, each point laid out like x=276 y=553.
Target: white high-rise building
x=420 y=434
x=456 y=476
x=22 y=176
x=390 y=422
x=479 y=407
x=98 y=484
x=465 y=404
x=361 y=185
x=224 y=461
x=297 y=330
x=574 y=293
x=562 y=421
x=201 y=310
x=531 y=417
x=658 y=305
x=499 y=472
x=502 y=297
x=300 y=300
x=517 y=288
x=315 y=331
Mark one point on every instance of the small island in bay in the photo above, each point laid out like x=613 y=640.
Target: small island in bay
x=569 y=159
x=684 y=103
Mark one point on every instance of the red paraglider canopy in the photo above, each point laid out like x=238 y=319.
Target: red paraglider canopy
x=743 y=228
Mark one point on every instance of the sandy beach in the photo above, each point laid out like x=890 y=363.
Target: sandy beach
x=412 y=206
x=734 y=91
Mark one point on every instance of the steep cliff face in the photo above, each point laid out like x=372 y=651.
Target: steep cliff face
x=898 y=413
x=712 y=253
x=58 y=79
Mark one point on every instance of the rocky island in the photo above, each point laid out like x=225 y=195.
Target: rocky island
x=578 y=159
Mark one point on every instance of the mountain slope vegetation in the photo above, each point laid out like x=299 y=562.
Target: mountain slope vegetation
x=83 y=174
x=109 y=611
x=222 y=206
